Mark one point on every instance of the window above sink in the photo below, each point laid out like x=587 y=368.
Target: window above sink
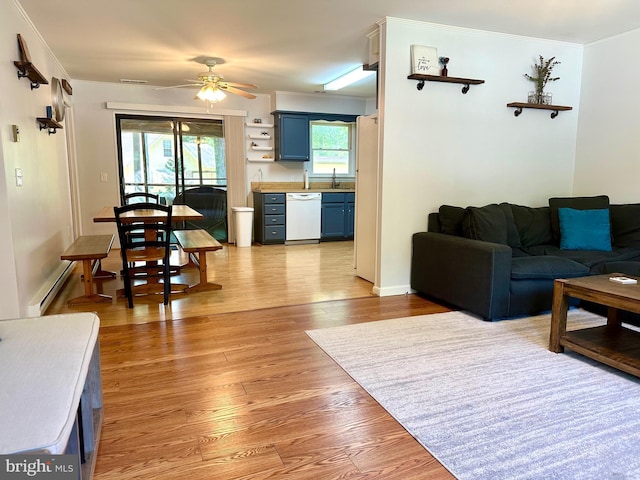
x=332 y=149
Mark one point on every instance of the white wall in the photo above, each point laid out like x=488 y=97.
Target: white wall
x=608 y=141
x=442 y=147
x=35 y=218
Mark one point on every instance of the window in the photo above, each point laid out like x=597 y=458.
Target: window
x=332 y=148
x=167 y=147
x=167 y=155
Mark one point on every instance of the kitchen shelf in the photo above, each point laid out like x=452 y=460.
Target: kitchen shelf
x=49 y=123
x=259 y=142
x=537 y=106
x=28 y=70
x=467 y=82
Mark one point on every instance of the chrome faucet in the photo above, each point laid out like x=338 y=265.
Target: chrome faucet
x=334 y=184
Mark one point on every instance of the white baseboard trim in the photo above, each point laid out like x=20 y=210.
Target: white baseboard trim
x=389 y=291
x=39 y=303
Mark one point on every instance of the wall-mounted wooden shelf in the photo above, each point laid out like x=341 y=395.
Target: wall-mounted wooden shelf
x=467 y=82
x=49 y=123
x=28 y=70
x=554 y=108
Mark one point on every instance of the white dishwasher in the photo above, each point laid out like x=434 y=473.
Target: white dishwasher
x=303 y=217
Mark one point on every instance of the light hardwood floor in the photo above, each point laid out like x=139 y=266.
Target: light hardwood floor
x=226 y=384
x=251 y=277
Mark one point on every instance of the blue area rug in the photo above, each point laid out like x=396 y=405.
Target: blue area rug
x=490 y=401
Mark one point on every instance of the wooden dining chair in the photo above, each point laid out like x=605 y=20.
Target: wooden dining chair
x=153 y=247
x=136 y=198
x=141 y=197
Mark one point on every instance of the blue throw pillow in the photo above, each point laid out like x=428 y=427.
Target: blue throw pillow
x=584 y=229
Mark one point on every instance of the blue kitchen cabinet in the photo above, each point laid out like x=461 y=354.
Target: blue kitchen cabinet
x=350 y=220
x=291 y=136
x=337 y=215
x=269 y=220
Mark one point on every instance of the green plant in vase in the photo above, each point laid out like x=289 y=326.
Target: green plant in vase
x=541 y=76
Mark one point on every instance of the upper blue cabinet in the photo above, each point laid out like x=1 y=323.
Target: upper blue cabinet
x=291 y=135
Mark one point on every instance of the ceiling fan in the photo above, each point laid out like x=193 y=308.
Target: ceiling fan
x=213 y=87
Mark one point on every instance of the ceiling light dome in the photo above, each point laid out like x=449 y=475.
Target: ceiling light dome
x=211 y=93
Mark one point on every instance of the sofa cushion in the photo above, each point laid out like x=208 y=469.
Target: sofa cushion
x=546 y=267
x=491 y=223
x=625 y=224
x=584 y=229
x=577 y=203
x=451 y=220
x=590 y=258
x=628 y=267
x=533 y=224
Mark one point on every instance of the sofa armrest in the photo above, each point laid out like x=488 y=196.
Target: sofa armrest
x=470 y=274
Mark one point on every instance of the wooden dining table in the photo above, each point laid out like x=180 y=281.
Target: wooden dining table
x=179 y=213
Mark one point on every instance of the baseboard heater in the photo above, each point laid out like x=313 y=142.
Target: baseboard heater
x=41 y=300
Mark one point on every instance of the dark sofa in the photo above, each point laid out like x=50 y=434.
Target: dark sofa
x=500 y=260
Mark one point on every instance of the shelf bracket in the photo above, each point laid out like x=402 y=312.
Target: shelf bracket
x=420 y=85
x=50 y=130
x=466 y=88
x=49 y=124
x=24 y=74
x=554 y=114
x=518 y=111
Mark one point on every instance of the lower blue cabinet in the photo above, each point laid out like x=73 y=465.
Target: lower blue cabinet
x=269 y=220
x=338 y=216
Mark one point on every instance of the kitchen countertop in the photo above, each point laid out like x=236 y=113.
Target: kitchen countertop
x=298 y=187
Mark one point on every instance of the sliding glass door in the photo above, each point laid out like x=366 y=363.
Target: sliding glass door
x=180 y=160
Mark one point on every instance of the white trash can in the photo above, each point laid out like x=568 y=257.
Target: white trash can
x=243 y=220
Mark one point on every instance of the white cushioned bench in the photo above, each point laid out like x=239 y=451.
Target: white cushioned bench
x=49 y=367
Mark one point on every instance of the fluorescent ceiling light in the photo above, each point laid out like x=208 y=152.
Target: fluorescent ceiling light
x=348 y=78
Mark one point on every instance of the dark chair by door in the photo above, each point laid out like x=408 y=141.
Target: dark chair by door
x=153 y=247
x=212 y=203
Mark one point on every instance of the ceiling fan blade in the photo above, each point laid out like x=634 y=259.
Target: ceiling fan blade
x=241 y=85
x=179 y=86
x=237 y=91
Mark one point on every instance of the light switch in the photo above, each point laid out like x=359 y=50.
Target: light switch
x=103 y=176
x=18 y=177
x=16 y=133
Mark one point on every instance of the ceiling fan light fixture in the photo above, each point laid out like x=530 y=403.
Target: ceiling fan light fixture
x=348 y=78
x=211 y=93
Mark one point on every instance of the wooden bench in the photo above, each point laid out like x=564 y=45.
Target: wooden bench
x=90 y=249
x=198 y=241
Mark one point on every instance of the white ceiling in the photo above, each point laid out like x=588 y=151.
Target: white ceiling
x=284 y=45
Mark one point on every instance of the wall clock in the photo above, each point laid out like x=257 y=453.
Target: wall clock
x=57 y=100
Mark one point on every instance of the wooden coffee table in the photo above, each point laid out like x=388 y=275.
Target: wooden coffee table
x=612 y=344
